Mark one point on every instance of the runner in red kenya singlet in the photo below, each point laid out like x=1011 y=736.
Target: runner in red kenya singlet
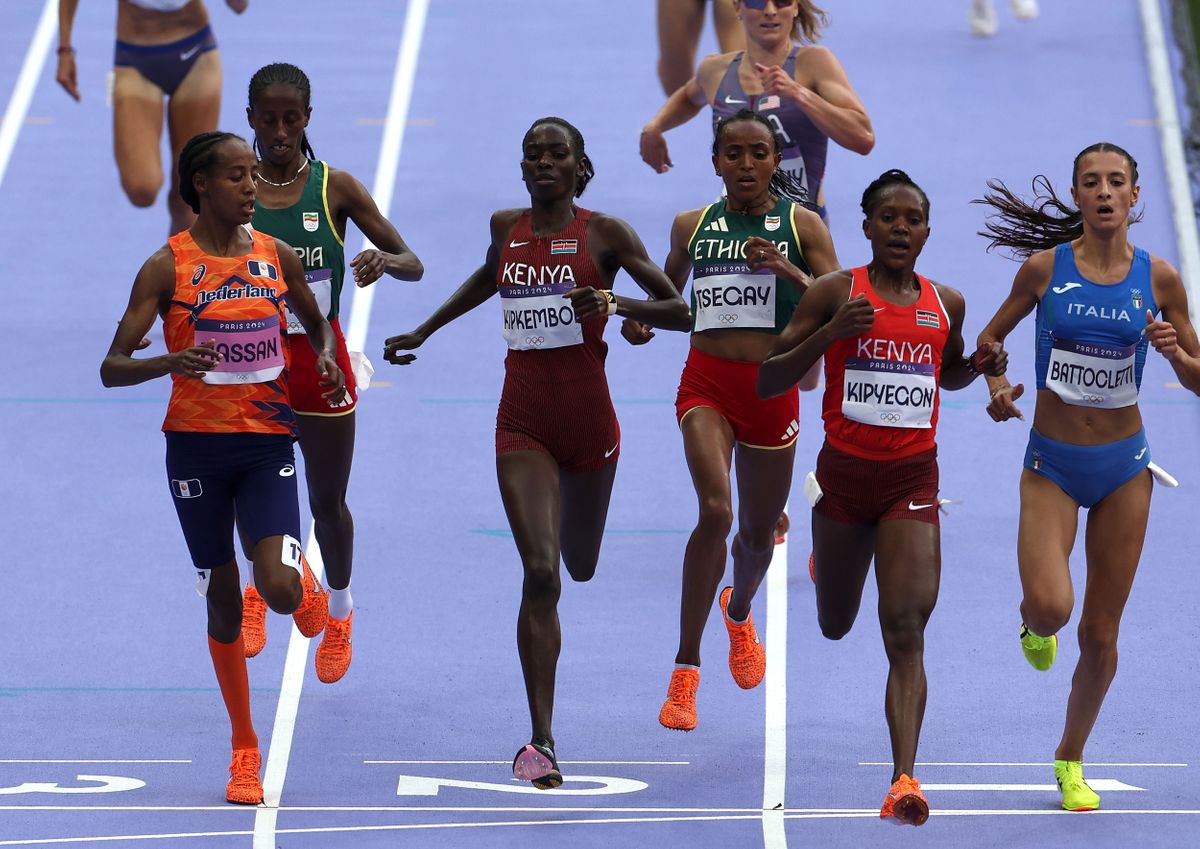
x=557 y=439
x=891 y=339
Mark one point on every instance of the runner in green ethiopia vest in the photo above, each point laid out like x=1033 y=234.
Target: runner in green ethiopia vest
x=306 y=204
x=750 y=257
x=726 y=294
x=306 y=226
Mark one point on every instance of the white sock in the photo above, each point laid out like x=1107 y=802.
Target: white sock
x=341 y=603
x=686 y=666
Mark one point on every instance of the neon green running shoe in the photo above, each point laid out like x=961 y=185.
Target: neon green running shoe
x=1039 y=651
x=1076 y=795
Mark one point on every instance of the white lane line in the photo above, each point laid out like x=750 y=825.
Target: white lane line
x=775 y=718
x=27 y=80
x=79 y=761
x=868 y=813
x=576 y=763
x=1170 y=133
x=1098 y=784
x=297 y=655
x=1015 y=763
x=389 y=153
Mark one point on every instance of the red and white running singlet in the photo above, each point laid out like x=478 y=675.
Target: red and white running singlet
x=881 y=387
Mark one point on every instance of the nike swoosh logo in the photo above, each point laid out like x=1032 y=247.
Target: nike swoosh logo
x=189 y=54
x=517 y=244
x=1067 y=287
x=731 y=101
x=1140 y=454
x=612 y=450
x=912 y=506
x=879 y=309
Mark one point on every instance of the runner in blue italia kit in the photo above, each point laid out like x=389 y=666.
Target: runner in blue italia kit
x=1096 y=297
x=557 y=439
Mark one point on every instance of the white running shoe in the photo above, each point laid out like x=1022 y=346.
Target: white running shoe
x=983 y=17
x=1025 y=10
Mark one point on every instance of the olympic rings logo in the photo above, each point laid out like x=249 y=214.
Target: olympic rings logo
x=728 y=318
x=890 y=418
x=1093 y=399
x=535 y=340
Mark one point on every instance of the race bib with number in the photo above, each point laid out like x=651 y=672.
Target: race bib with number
x=889 y=393
x=251 y=349
x=731 y=297
x=1090 y=375
x=320 y=281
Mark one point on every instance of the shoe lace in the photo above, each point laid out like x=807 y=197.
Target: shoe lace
x=680 y=689
x=244 y=766
x=744 y=640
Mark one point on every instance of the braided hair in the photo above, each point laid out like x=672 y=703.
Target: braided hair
x=589 y=171
x=784 y=184
x=1026 y=227
x=199 y=155
x=873 y=196
x=283 y=73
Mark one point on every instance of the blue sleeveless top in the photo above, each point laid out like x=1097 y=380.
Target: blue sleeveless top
x=1090 y=346
x=805 y=147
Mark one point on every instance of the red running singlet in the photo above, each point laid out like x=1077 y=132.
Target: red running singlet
x=555 y=396
x=881 y=387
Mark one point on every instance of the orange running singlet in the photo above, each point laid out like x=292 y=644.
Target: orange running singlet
x=238 y=303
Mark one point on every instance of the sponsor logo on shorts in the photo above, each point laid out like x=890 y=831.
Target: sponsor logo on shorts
x=188 y=54
x=311 y=221
x=1037 y=461
x=189 y=488
x=287 y=471
x=792 y=430
x=612 y=451
x=1141 y=453
x=198 y=274
x=912 y=506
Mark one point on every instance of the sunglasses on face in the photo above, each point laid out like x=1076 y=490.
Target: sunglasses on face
x=759 y=5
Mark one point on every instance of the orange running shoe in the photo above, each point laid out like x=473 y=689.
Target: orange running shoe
x=905 y=804
x=679 y=710
x=747 y=657
x=245 y=787
x=310 y=616
x=254 y=621
x=333 y=654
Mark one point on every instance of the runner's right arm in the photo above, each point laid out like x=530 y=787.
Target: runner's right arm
x=479 y=287
x=1027 y=289
x=151 y=295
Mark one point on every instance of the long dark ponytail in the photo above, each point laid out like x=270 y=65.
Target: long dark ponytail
x=783 y=184
x=1026 y=227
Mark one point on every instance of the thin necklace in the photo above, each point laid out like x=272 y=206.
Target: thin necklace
x=302 y=169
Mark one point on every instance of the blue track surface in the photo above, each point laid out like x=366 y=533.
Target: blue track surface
x=105 y=656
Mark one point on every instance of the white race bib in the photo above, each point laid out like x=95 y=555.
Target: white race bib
x=1090 y=375
x=251 y=349
x=320 y=280
x=730 y=297
x=889 y=393
x=538 y=322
